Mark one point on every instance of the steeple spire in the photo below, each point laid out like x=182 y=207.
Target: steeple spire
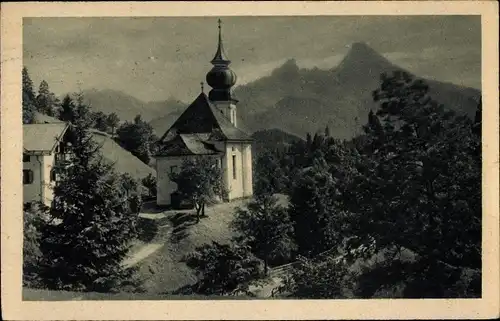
x=221 y=78
x=220 y=56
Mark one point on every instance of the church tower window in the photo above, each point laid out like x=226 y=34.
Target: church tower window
x=234 y=166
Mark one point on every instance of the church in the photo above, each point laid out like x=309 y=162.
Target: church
x=208 y=128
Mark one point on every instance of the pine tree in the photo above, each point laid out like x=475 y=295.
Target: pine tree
x=46 y=100
x=68 y=110
x=312 y=210
x=29 y=102
x=85 y=248
x=266 y=227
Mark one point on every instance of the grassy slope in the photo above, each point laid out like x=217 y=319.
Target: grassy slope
x=164 y=270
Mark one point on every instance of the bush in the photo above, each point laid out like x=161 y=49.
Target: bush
x=33 y=218
x=224 y=268
x=146 y=230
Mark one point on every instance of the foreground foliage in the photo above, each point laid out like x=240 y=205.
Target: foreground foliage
x=93 y=218
x=266 y=228
x=200 y=181
x=411 y=183
x=224 y=268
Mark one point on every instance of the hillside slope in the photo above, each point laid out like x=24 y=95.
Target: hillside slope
x=127 y=107
x=272 y=139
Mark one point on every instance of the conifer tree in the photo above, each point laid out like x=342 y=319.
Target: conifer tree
x=28 y=97
x=47 y=102
x=266 y=227
x=84 y=248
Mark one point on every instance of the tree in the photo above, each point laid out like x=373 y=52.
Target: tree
x=199 y=180
x=33 y=219
x=266 y=228
x=327 y=131
x=328 y=278
x=28 y=96
x=269 y=176
x=68 y=110
x=85 y=249
x=420 y=190
x=223 y=268
x=100 y=121
x=47 y=102
x=112 y=122
x=138 y=138
x=312 y=210
x=150 y=183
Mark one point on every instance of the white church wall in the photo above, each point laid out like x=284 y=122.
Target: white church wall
x=165 y=186
x=234 y=173
x=247 y=170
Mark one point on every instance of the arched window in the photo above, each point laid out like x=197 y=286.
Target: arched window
x=27 y=176
x=53 y=175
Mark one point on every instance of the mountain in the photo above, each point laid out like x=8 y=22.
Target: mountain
x=272 y=139
x=127 y=107
x=306 y=100
x=123 y=160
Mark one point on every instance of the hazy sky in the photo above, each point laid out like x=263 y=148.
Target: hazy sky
x=156 y=58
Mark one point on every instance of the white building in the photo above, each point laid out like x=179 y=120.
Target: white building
x=44 y=145
x=208 y=127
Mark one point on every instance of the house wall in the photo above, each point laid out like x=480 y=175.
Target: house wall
x=33 y=192
x=48 y=186
x=41 y=189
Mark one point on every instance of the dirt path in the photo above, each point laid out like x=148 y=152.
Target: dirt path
x=143 y=253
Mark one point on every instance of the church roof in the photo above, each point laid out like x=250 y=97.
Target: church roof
x=188 y=144
x=203 y=117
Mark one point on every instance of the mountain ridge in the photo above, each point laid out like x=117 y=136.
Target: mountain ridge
x=300 y=100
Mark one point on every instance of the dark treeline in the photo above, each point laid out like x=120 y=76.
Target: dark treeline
x=408 y=190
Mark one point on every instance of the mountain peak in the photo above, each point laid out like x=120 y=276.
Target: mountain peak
x=362 y=59
x=289 y=67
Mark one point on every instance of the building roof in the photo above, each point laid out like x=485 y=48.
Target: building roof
x=203 y=117
x=42 y=137
x=188 y=144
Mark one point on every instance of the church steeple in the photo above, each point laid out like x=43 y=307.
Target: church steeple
x=220 y=57
x=221 y=78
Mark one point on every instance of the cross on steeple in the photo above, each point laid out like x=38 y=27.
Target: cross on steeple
x=220 y=56
x=201 y=84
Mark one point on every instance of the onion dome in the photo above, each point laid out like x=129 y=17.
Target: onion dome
x=221 y=78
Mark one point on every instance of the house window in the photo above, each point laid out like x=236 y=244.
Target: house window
x=234 y=166
x=26 y=158
x=173 y=169
x=233 y=149
x=53 y=175
x=27 y=176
